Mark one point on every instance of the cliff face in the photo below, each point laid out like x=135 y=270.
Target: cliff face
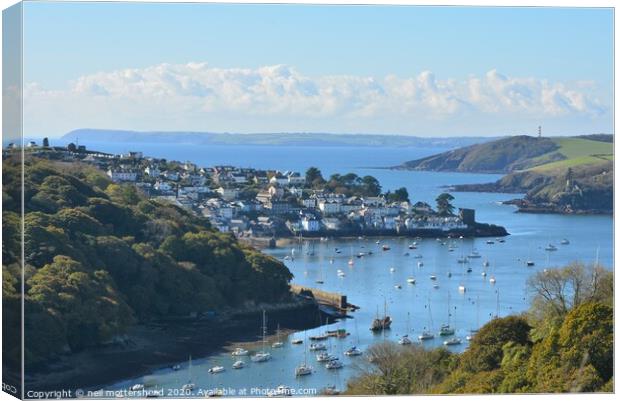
x=501 y=156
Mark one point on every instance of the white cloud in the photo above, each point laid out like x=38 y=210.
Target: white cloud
x=279 y=97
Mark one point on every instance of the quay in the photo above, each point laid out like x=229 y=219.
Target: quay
x=330 y=303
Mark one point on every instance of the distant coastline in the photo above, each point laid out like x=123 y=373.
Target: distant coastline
x=271 y=139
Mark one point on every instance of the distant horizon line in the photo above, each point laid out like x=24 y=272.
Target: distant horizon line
x=447 y=136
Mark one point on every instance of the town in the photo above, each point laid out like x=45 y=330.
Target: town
x=267 y=204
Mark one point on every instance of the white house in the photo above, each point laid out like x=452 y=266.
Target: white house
x=152 y=171
x=331 y=223
x=310 y=224
x=309 y=203
x=296 y=179
x=329 y=207
x=171 y=175
x=118 y=175
x=228 y=193
x=163 y=186
x=279 y=179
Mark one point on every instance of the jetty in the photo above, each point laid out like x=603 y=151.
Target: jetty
x=330 y=303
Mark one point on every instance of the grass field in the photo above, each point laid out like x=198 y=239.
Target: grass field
x=578 y=152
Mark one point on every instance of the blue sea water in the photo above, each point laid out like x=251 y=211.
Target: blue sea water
x=370 y=282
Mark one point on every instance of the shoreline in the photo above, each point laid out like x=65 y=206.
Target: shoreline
x=160 y=345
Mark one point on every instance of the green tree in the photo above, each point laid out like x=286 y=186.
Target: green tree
x=314 y=178
x=444 y=207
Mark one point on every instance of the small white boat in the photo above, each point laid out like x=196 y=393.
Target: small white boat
x=216 y=369
x=351 y=262
x=392 y=270
x=529 y=263
x=420 y=264
x=240 y=352
x=325 y=357
x=411 y=280
x=303 y=370
x=426 y=336
x=551 y=248
x=462 y=288
x=484 y=274
x=565 y=242
x=277 y=344
x=188 y=387
x=137 y=387
x=353 y=351
x=435 y=286
x=485 y=263
x=398 y=286
x=238 y=365
x=280 y=391
x=433 y=277
x=418 y=256
x=341 y=273
x=462 y=260
x=492 y=280
x=446 y=330
x=297 y=341
x=330 y=390
x=474 y=255
x=490 y=242
x=176 y=367
x=405 y=340
x=452 y=341
x=317 y=347
x=261 y=357
x=469 y=337
x=334 y=364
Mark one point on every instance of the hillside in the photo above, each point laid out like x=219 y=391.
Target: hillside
x=519 y=153
x=87 y=135
x=99 y=257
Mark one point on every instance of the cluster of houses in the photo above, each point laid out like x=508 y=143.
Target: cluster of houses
x=264 y=203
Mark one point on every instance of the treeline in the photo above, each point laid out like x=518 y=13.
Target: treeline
x=352 y=184
x=100 y=257
x=564 y=343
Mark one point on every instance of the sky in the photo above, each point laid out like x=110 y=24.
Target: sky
x=426 y=71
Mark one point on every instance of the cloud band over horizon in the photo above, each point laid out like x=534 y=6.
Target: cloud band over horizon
x=279 y=98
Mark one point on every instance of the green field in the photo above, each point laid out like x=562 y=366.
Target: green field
x=578 y=151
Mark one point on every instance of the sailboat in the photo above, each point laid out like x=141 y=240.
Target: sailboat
x=262 y=356
x=278 y=343
x=474 y=331
x=405 y=340
x=383 y=323
x=189 y=386
x=351 y=261
x=354 y=350
x=304 y=369
x=446 y=329
x=428 y=334
x=492 y=279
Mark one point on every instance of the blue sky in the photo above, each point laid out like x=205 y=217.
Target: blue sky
x=341 y=68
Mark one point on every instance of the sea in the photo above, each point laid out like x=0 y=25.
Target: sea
x=378 y=283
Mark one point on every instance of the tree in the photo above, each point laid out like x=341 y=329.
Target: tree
x=71 y=147
x=556 y=291
x=444 y=207
x=46 y=142
x=371 y=186
x=314 y=177
x=399 y=195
